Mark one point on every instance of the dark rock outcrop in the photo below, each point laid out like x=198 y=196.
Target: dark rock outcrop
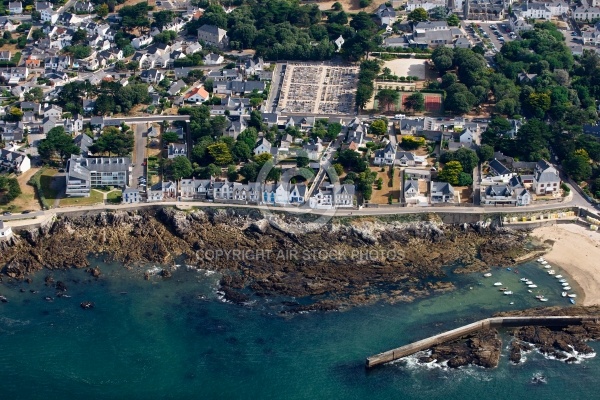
x=481 y=348
x=345 y=261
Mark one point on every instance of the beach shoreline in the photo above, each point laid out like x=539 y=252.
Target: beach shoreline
x=576 y=250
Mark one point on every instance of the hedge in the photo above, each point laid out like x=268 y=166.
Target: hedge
x=37 y=185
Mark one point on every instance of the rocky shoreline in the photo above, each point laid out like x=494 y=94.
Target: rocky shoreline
x=483 y=347
x=346 y=262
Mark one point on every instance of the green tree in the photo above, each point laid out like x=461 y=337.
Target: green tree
x=163 y=18
x=170 y=137
x=451 y=172
x=302 y=161
x=232 y=173
x=453 y=20
x=379 y=127
x=102 y=10
x=57 y=143
x=114 y=141
x=333 y=130
x=179 y=167
x=415 y=102
x=339 y=169
x=485 y=152
x=578 y=167
x=220 y=153
x=337 y=6
x=465 y=179
x=34 y=94
x=418 y=15
x=387 y=98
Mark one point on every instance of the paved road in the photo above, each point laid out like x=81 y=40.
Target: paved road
x=147 y=118
x=141 y=138
x=40 y=216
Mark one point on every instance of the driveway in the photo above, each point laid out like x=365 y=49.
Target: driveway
x=139 y=151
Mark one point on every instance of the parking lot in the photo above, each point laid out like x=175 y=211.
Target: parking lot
x=489 y=33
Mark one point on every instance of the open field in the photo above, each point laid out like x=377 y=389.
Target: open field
x=26 y=200
x=382 y=196
x=96 y=197
x=411 y=67
x=50 y=193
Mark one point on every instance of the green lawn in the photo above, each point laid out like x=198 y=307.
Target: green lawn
x=115 y=197
x=46 y=181
x=95 y=197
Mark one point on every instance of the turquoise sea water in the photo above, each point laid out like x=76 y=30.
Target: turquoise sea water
x=175 y=339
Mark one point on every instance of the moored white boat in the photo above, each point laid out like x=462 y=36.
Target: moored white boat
x=508 y=292
x=528 y=282
x=539 y=296
x=544 y=299
x=544 y=262
x=523 y=279
x=566 y=287
x=565 y=283
x=487 y=275
x=541 y=259
x=564 y=294
x=503 y=289
x=558 y=276
x=532 y=286
x=562 y=280
x=498 y=284
x=551 y=272
x=572 y=295
x=572 y=301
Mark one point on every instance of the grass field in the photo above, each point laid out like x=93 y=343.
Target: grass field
x=46 y=181
x=96 y=196
x=114 y=197
x=26 y=200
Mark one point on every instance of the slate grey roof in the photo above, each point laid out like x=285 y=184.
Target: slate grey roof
x=498 y=168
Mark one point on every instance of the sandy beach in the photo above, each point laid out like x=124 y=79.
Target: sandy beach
x=576 y=250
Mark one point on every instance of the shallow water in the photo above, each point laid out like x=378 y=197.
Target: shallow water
x=175 y=339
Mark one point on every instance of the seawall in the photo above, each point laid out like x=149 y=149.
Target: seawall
x=496 y=322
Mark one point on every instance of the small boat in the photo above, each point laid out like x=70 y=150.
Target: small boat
x=564 y=294
x=532 y=286
x=487 y=275
x=511 y=303
x=566 y=287
x=572 y=301
x=562 y=280
x=3 y=299
x=572 y=295
x=547 y=266
x=541 y=260
x=508 y=292
x=558 y=276
x=543 y=299
x=551 y=272
x=523 y=279
x=509 y=269
x=565 y=283
x=539 y=296
x=86 y=305
x=528 y=282
x=498 y=284
x=48 y=298
x=503 y=289
x=530 y=291
x=544 y=262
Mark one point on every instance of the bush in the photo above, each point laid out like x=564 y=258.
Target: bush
x=412 y=142
x=565 y=188
x=37 y=186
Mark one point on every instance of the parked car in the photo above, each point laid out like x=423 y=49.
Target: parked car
x=6 y=213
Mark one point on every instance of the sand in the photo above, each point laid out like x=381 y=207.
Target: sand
x=576 y=250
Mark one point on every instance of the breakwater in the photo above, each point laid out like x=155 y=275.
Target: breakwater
x=496 y=322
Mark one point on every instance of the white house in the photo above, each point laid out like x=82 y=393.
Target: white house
x=196 y=95
x=546 y=180
x=586 y=13
x=5 y=231
x=14 y=161
x=262 y=146
x=15 y=7
x=176 y=150
x=131 y=196
x=141 y=41
x=467 y=136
